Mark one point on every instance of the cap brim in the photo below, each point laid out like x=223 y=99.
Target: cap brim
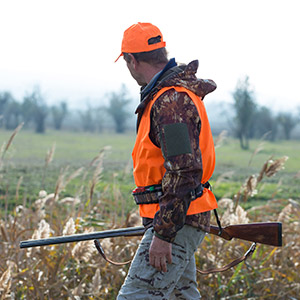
x=119 y=57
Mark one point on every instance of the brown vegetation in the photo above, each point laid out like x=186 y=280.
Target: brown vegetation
x=76 y=271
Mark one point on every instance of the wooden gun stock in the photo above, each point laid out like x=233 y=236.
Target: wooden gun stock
x=269 y=233
x=264 y=233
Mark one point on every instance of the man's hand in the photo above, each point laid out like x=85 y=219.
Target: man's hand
x=160 y=253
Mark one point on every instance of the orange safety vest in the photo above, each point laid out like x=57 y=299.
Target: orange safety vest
x=148 y=160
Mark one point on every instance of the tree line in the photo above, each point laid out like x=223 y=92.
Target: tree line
x=254 y=121
x=247 y=120
x=35 y=113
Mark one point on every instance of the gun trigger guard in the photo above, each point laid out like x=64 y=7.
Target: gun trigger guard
x=101 y=251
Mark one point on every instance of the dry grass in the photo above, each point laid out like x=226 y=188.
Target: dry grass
x=271 y=273
x=6 y=146
x=76 y=271
x=64 y=271
x=269 y=169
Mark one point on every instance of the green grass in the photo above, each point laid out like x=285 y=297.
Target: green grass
x=71 y=147
x=230 y=154
x=240 y=164
x=26 y=158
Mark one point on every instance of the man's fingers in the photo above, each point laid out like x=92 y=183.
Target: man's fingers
x=160 y=264
x=169 y=258
x=163 y=264
x=157 y=264
x=154 y=261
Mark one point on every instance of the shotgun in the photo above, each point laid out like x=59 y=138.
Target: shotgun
x=269 y=233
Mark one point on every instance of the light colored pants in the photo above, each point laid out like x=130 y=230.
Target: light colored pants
x=144 y=282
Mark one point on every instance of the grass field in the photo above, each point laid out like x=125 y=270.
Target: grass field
x=78 y=148
x=102 y=181
x=26 y=159
x=26 y=156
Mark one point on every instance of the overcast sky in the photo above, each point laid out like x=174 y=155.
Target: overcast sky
x=68 y=47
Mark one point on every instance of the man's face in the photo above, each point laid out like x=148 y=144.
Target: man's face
x=133 y=69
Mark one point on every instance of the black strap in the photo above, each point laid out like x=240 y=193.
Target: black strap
x=218 y=222
x=208 y=186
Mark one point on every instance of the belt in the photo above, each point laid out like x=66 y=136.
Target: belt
x=151 y=194
x=147 y=194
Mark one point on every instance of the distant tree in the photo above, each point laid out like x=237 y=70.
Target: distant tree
x=100 y=118
x=266 y=123
x=59 y=113
x=27 y=110
x=5 y=99
x=87 y=119
x=245 y=108
x=288 y=122
x=117 y=108
x=35 y=109
x=12 y=115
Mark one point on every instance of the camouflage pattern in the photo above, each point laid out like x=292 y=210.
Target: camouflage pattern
x=146 y=283
x=184 y=76
x=183 y=172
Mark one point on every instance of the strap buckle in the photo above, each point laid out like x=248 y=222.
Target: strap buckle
x=198 y=191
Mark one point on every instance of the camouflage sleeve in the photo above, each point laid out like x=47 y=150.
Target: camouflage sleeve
x=174 y=114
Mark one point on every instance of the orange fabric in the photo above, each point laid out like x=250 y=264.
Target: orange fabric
x=136 y=39
x=148 y=159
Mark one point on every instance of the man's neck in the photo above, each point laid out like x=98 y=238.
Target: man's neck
x=150 y=71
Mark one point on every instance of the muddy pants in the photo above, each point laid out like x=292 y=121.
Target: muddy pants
x=144 y=282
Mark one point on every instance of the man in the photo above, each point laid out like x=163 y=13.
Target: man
x=173 y=160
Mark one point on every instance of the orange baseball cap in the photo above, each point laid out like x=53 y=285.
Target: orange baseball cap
x=141 y=37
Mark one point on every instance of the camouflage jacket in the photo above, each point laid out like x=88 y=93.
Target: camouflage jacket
x=183 y=172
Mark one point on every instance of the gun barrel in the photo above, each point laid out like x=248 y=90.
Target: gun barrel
x=130 y=231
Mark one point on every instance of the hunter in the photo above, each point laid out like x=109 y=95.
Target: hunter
x=173 y=159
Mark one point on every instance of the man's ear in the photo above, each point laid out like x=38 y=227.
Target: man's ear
x=133 y=61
